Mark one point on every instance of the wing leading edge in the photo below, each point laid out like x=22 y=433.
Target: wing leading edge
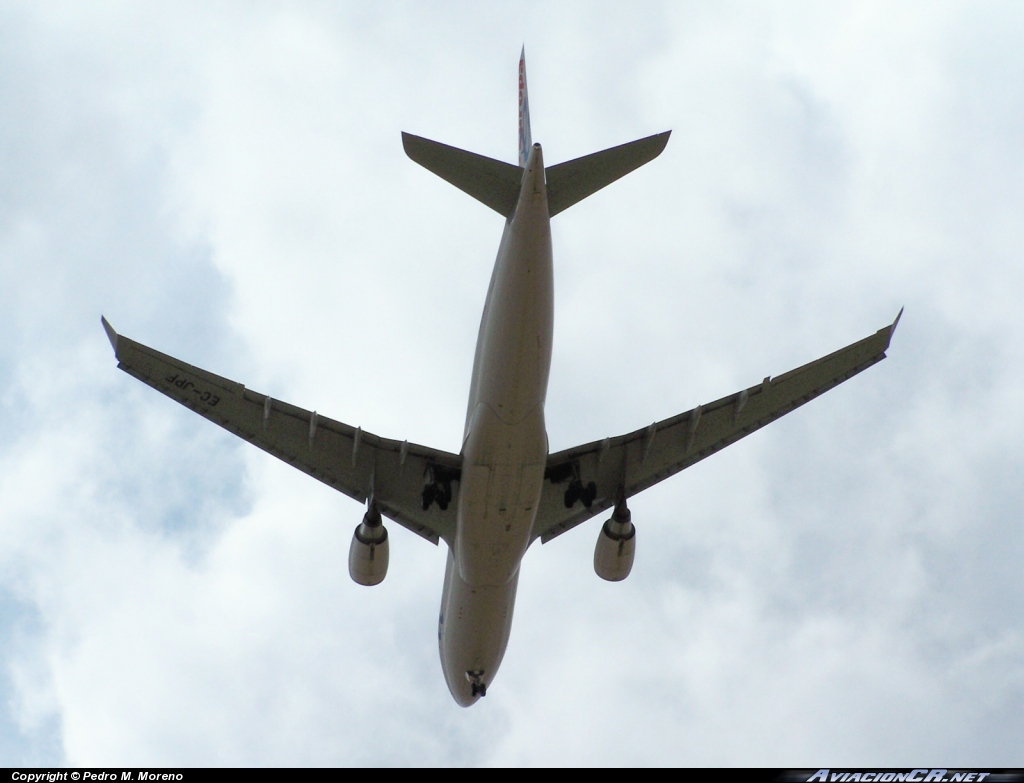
x=402 y=477
x=643 y=458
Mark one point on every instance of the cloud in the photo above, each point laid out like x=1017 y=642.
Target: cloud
x=228 y=186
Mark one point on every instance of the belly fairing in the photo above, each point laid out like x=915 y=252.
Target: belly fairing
x=502 y=478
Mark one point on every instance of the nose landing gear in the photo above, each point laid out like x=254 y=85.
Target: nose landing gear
x=476 y=684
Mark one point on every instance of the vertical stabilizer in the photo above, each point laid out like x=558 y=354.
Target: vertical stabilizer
x=525 y=138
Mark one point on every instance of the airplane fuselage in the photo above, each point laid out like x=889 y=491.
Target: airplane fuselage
x=505 y=447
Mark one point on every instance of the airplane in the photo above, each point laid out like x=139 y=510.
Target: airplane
x=504 y=490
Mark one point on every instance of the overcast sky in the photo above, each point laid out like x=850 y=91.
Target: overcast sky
x=226 y=183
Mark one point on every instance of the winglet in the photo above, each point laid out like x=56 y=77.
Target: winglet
x=111 y=334
x=892 y=329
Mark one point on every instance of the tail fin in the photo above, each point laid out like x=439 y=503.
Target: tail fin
x=525 y=137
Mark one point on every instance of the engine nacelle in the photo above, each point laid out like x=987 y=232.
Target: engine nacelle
x=368 y=554
x=616 y=543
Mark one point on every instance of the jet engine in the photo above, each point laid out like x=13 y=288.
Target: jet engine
x=368 y=554
x=616 y=543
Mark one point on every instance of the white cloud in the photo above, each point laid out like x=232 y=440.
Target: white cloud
x=228 y=185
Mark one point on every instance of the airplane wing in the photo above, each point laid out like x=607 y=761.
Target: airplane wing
x=582 y=482
x=411 y=484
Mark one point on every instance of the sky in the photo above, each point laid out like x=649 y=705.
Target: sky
x=226 y=183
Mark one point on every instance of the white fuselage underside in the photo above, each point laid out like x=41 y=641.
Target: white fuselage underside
x=505 y=447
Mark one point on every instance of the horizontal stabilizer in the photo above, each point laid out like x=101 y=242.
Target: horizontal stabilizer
x=574 y=180
x=489 y=181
